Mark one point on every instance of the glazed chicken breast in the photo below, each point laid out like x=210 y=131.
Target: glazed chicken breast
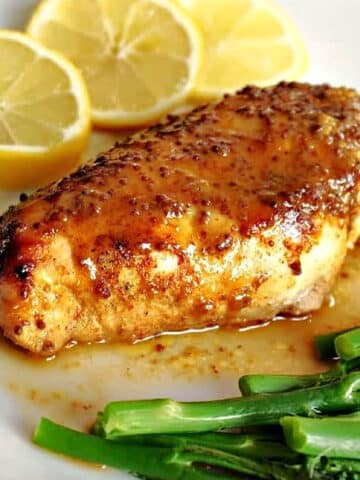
x=229 y=216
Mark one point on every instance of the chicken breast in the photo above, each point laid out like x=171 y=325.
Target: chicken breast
x=228 y=216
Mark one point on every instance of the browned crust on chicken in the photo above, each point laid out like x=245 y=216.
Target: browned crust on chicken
x=226 y=216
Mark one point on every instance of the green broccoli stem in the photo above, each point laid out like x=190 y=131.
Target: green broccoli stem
x=335 y=437
x=261 y=445
x=244 y=465
x=169 y=416
x=155 y=463
x=260 y=384
x=158 y=463
x=347 y=345
x=325 y=344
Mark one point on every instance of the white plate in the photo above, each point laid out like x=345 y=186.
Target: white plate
x=75 y=386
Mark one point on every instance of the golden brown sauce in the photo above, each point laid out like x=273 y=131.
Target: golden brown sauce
x=74 y=386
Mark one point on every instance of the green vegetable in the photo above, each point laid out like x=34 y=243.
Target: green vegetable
x=153 y=462
x=169 y=416
x=324 y=468
x=258 y=384
x=335 y=437
x=325 y=344
x=184 y=462
x=262 y=445
x=347 y=345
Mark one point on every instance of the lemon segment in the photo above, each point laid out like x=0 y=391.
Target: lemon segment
x=247 y=42
x=140 y=58
x=44 y=113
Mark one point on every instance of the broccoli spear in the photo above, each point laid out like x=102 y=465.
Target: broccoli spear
x=184 y=461
x=335 y=437
x=168 y=416
x=345 y=345
x=259 y=384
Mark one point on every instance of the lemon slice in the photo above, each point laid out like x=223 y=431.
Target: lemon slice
x=247 y=42
x=44 y=113
x=139 y=57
